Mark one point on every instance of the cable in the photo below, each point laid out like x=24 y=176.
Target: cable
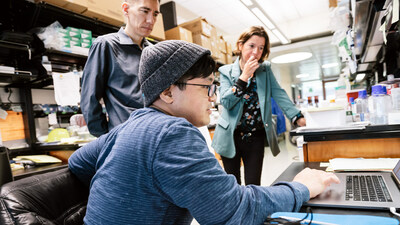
x=393 y=210
x=285 y=221
x=9 y=95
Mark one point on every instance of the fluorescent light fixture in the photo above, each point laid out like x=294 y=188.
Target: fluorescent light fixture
x=360 y=77
x=329 y=65
x=247 y=2
x=303 y=75
x=291 y=57
x=280 y=36
x=261 y=16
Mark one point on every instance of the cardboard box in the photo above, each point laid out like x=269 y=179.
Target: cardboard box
x=198 y=26
x=228 y=48
x=221 y=58
x=78 y=6
x=214 y=48
x=214 y=34
x=229 y=58
x=179 y=33
x=158 y=29
x=105 y=10
x=221 y=44
x=202 y=40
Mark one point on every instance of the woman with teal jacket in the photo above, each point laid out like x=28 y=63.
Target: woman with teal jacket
x=246 y=89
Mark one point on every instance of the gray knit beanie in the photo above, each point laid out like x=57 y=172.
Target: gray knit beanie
x=164 y=63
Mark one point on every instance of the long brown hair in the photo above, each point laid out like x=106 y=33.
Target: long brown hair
x=245 y=36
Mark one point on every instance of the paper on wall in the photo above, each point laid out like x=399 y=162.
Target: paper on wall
x=66 y=88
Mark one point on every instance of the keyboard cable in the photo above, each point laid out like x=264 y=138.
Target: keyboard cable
x=393 y=210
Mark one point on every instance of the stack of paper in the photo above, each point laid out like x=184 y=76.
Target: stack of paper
x=39 y=159
x=361 y=164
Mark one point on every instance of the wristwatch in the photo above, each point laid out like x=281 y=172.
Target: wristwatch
x=296 y=117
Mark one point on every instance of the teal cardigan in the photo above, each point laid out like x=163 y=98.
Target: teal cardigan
x=267 y=87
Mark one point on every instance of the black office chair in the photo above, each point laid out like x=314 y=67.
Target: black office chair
x=5 y=169
x=52 y=198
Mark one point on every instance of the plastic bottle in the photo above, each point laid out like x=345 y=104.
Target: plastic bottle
x=388 y=99
x=378 y=106
x=394 y=113
x=356 y=117
x=362 y=106
x=349 y=111
x=46 y=64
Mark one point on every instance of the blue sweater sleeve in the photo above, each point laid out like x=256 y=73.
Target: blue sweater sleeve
x=188 y=175
x=83 y=161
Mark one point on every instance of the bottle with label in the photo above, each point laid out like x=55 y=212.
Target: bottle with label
x=349 y=111
x=356 y=117
x=378 y=106
x=362 y=106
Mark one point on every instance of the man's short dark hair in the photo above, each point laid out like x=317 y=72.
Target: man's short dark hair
x=201 y=69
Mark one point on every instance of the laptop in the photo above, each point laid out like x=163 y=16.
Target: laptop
x=364 y=190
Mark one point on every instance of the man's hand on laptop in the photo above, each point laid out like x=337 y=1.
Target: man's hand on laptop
x=316 y=180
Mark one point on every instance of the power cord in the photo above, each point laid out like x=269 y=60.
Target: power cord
x=285 y=221
x=393 y=210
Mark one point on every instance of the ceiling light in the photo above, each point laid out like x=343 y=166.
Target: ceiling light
x=263 y=18
x=292 y=57
x=258 y=11
x=329 y=65
x=280 y=36
x=247 y=2
x=303 y=75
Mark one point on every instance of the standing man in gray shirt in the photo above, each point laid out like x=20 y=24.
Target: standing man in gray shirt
x=112 y=67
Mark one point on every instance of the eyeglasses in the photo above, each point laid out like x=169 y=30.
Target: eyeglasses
x=212 y=88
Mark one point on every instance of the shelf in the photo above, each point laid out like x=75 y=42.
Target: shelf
x=54 y=147
x=65 y=58
x=16 y=79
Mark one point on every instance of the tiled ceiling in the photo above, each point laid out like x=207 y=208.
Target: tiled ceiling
x=298 y=20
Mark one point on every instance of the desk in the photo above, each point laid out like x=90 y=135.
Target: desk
x=22 y=173
x=378 y=141
x=296 y=167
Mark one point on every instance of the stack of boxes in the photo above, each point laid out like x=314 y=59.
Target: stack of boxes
x=200 y=32
x=73 y=37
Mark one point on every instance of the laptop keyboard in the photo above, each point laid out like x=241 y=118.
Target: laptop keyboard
x=367 y=188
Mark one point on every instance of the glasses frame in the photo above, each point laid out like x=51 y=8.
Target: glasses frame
x=212 y=88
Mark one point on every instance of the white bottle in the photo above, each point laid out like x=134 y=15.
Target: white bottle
x=362 y=106
x=349 y=111
x=378 y=106
x=394 y=113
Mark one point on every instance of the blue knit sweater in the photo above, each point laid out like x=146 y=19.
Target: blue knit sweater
x=157 y=169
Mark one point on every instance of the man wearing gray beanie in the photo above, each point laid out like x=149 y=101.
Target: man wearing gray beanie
x=156 y=167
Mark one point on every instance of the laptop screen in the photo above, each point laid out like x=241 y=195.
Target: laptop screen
x=396 y=170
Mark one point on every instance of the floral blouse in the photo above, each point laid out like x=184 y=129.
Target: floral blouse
x=250 y=120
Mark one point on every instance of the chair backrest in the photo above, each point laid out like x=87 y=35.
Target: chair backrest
x=52 y=198
x=5 y=169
